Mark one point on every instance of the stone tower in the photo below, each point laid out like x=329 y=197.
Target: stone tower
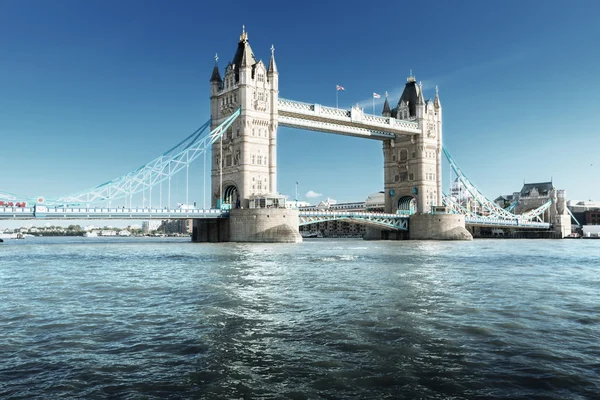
x=413 y=164
x=244 y=160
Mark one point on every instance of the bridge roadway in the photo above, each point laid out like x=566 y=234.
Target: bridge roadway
x=505 y=223
x=379 y=220
x=17 y=213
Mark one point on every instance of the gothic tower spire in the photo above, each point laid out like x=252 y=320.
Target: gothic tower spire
x=386 y=107
x=244 y=160
x=216 y=76
x=272 y=66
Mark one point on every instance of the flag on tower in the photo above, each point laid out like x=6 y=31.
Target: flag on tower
x=376 y=96
x=340 y=87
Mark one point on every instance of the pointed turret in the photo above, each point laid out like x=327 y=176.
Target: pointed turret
x=244 y=57
x=248 y=59
x=436 y=100
x=272 y=66
x=420 y=99
x=410 y=95
x=216 y=76
x=386 y=107
x=216 y=83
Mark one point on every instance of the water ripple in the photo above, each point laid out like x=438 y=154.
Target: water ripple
x=148 y=318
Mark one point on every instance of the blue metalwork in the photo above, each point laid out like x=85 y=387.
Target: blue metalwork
x=512 y=206
x=573 y=217
x=152 y=173
x=75 y=213
x=11 y=197
x=498 y=222
x=492 y=208
x=379 y=220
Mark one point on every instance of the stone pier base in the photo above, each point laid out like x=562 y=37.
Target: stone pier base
x=263 y=225
x=562 y=226
x=210 y=230
x=378 y=234
x=438 y=227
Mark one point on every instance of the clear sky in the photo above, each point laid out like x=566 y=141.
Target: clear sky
x=90 y=90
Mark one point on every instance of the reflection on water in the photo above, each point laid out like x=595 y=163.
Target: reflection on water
x=165 y=318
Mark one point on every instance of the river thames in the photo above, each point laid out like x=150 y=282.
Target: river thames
x=137 y=318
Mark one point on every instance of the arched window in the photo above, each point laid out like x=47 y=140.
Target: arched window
x=403 y=155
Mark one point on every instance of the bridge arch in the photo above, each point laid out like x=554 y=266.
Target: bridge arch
x=544 y=216
x=231 y=195
x=407 y=205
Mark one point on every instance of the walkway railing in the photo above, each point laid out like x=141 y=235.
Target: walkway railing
x=379 y=220
x=351 y=122
x=58 y=213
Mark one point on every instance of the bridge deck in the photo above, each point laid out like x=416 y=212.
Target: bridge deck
x=352 y=122
x=107 y=213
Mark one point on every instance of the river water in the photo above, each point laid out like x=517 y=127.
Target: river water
x=339 y=319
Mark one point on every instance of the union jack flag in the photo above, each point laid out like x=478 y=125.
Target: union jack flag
x=376 y=96
x=340 y=87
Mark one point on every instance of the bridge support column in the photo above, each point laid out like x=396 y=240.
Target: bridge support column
x=378 y=234
x=562 y=226
x=265 y=225
x=210 y=230
x=438 y=227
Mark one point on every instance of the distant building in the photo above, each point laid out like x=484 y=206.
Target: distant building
x=459 y=192
x=375 y=202
x=151 y=225
x=585 y=212
x=504 y=201
x=293 y=204
x=531 y=196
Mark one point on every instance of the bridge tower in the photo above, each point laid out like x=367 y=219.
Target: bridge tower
x=244 y=162
x=413 y=164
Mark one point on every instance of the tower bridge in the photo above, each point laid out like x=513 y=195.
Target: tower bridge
x=246 y=111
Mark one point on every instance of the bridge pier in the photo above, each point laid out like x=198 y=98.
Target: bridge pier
x=210 y=230
x=264 y=225
x=438 y=227
x=378 y=234
x=259 y=225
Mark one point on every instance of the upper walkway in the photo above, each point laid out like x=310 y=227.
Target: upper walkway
x=352 y=122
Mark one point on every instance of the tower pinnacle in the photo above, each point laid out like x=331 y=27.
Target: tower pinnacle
x=272 y=66
x=244 y=35
x=411 y=77
x=420 y=99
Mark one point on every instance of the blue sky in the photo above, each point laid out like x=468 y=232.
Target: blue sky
x=90 y=90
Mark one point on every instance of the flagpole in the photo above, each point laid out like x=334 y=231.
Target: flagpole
x=373 y=104
x=336 y=96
